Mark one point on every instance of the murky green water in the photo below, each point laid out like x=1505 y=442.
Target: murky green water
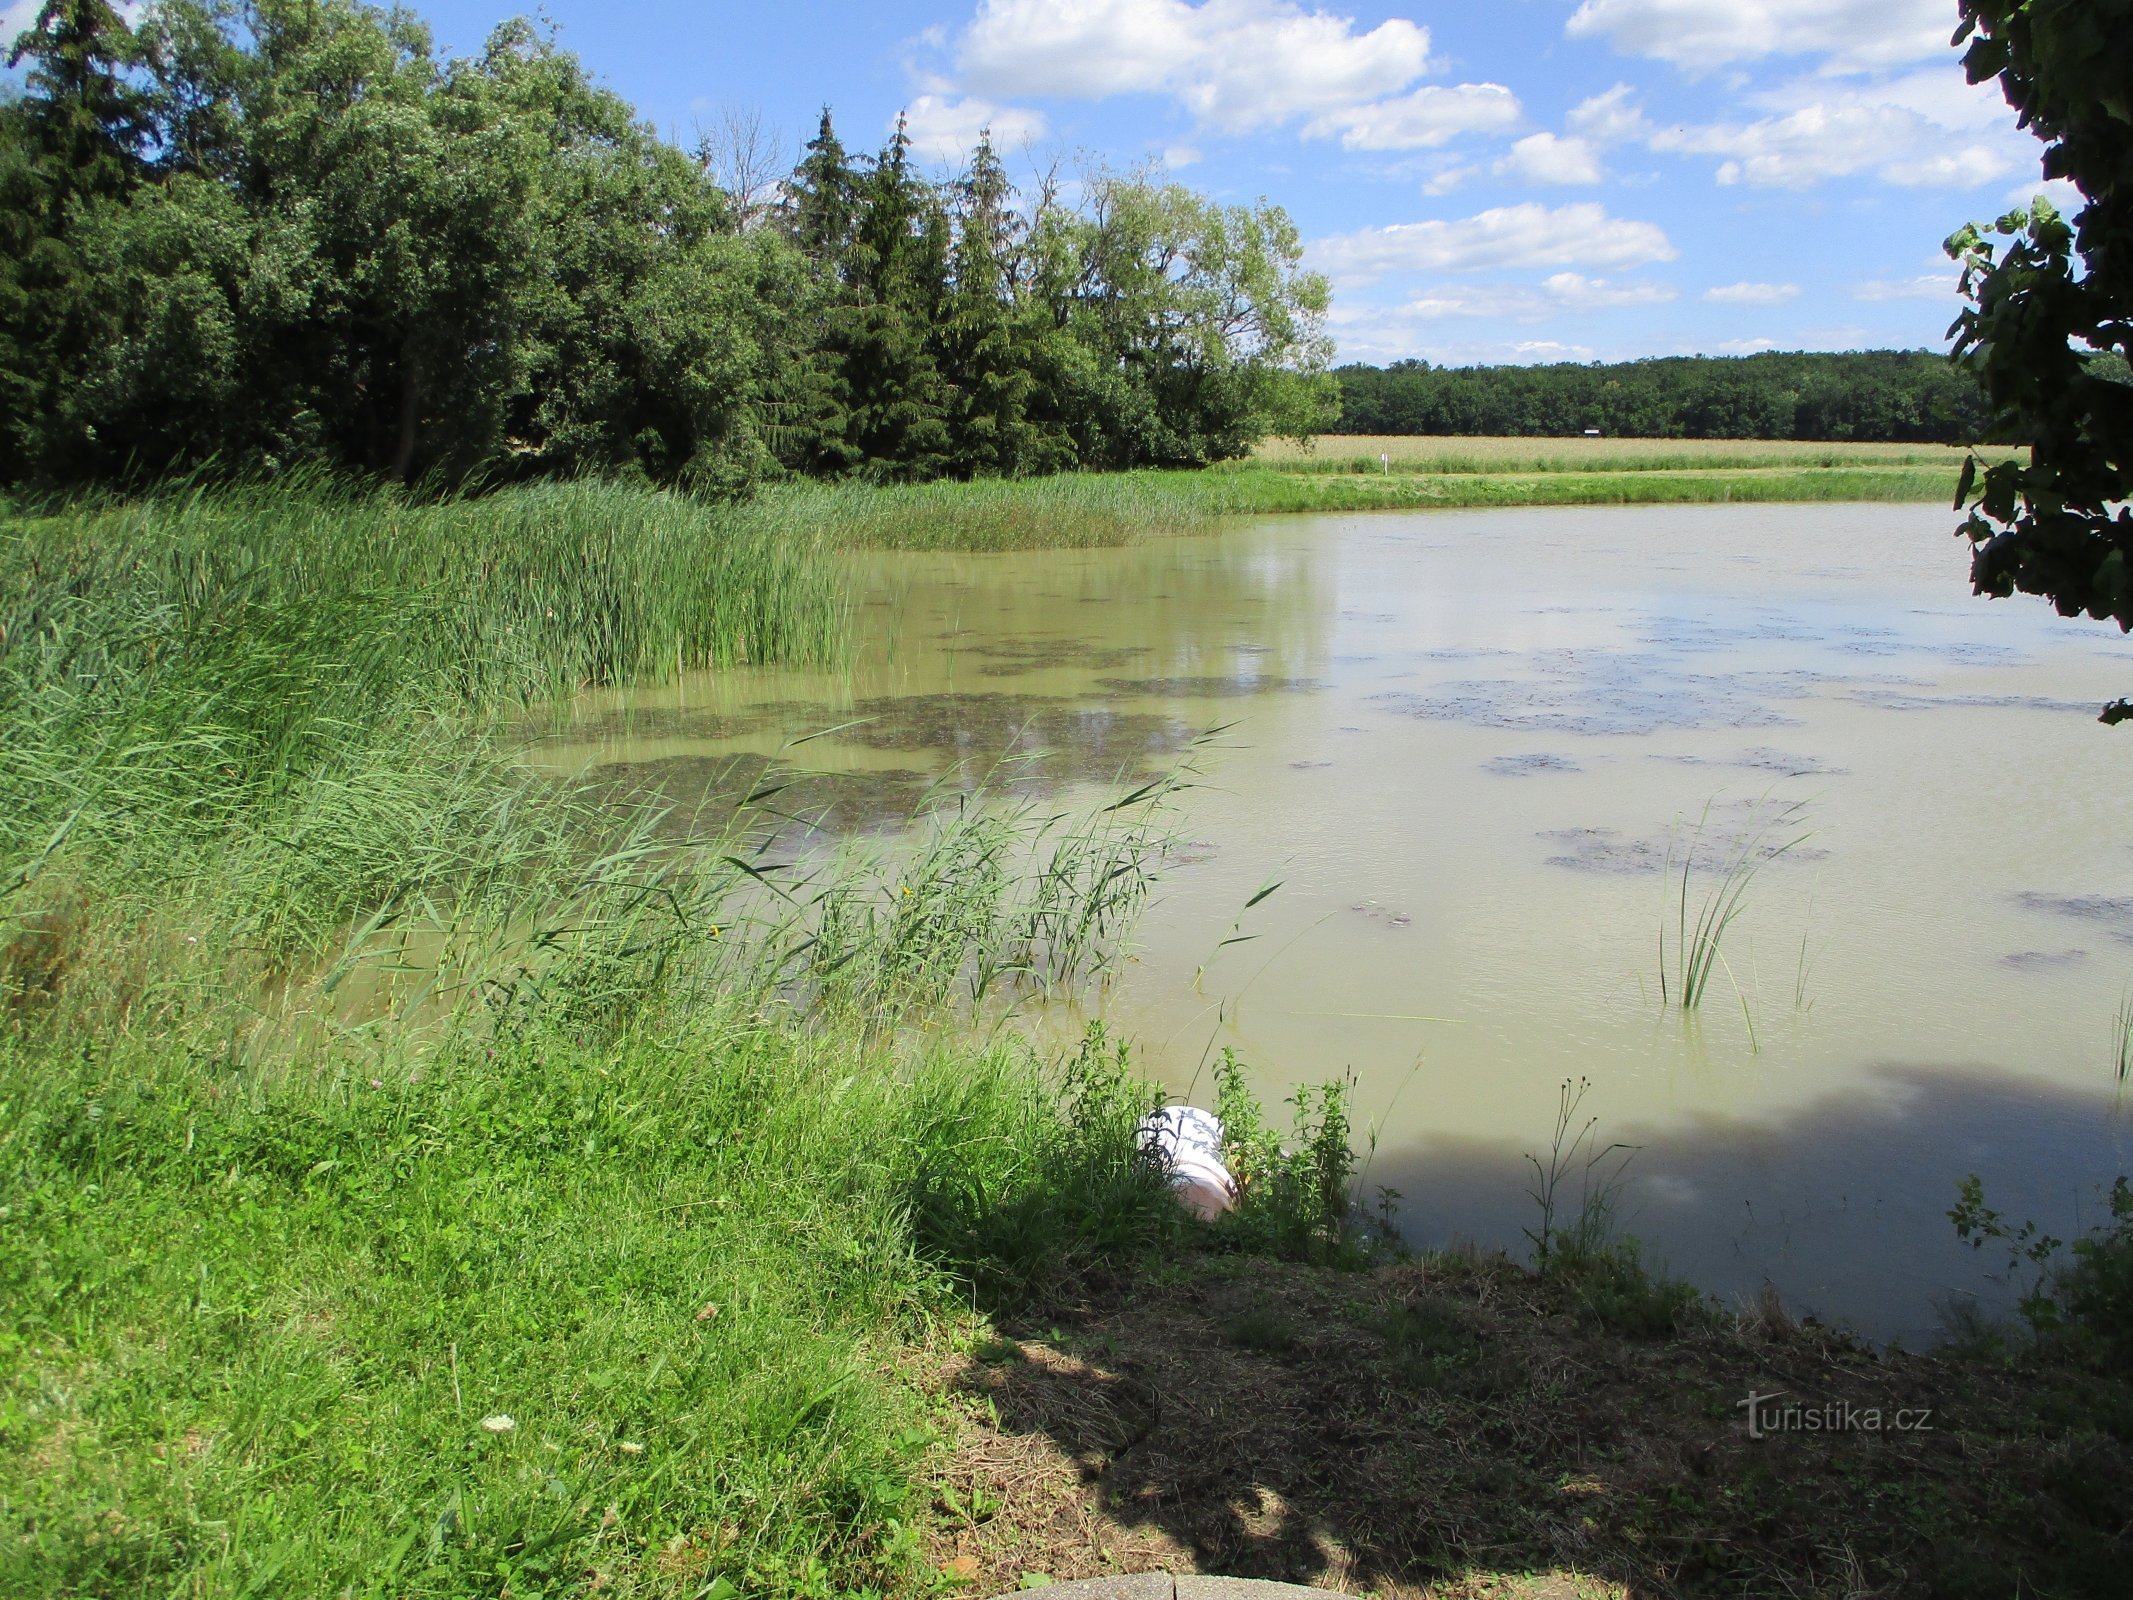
x=1461 y=742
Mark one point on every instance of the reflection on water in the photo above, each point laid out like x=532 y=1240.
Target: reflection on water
x=1467 y=744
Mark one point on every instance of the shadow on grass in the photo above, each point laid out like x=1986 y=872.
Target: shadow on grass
x=1455 y=1425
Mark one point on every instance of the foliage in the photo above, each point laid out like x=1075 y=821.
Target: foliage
x=2049 y=325
x=1295 y=1198
x=1897 y=396
x=260 y=233
x=2081 y=1302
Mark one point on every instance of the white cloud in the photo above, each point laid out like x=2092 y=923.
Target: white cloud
x=1449 y=179
x=1926 y=129
x=2059 y=191
x=1928 y=286
x=1563 y=292
x=1430 y=116
x=1235 y=64
x=1747 y=347
x=1179 y=156
x=1752 y=294
x=1506 y=237
x=1390 y=336
x=1535 y=351
x=947 y=130
x=1610 y=118
x=1852 y=34
x=1551 y=158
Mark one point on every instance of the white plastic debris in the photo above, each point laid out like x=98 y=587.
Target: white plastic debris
x=1188 y=1141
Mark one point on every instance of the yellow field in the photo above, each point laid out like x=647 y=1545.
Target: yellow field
x=1407 y=453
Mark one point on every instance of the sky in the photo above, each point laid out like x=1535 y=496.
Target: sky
x=1509 y=181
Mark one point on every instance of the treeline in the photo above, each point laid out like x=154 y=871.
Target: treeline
x=249 y=234
x=1898 y=396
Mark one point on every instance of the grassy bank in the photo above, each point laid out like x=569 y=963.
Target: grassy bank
x=1341 y=475
x=360 y=1090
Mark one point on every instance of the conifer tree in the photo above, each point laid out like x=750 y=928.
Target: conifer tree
x=894 y=401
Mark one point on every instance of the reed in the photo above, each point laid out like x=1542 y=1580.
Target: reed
x=1699 y=944
x=2122 y=1036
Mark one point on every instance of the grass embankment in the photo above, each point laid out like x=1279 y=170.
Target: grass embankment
x=1339 y=474
x=361 y=1089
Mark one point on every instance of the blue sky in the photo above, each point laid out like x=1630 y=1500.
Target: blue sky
x=1520 y=180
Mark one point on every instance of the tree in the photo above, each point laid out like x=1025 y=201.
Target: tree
x=71 y=145
x=2049 y=323
x=991 y=339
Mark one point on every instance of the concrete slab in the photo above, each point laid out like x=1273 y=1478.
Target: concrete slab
x=1191 y=1586
x=1162 y=1586
x=1141 y=1586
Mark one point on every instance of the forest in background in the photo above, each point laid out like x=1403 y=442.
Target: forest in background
x=256 y=234
x=1873 y=396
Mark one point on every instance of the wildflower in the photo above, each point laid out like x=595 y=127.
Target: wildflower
x=630 y=1447
x=499 y=1423
x=377 y=1083
x=707 y=1313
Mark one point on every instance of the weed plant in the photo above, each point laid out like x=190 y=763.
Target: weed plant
x=1295 y=1197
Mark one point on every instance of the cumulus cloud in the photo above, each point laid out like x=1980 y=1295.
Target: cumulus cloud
x=1552 y=158
x=1506 y=237
x=1752 y=294
x=1747 y=347
x=1235 y=64
x=1555 y=295
x=947 y=130
x=1610 y=118
x=1852 y=35
x=1925 y=129
x=1430 y=116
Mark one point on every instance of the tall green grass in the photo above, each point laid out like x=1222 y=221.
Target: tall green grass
x=422 y=1176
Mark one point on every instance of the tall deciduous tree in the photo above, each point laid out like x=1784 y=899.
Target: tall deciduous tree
x=2049 y=326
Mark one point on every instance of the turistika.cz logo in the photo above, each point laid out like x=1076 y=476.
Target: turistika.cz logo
x=1768 y=1415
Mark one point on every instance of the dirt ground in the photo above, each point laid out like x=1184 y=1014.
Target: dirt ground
x=1459 y=1427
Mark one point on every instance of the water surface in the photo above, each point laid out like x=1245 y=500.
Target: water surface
x=1465 y=744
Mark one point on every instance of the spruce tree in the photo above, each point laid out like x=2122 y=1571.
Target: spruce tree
x=895 y=403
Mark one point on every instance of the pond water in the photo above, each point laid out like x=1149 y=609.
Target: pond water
x=1465 y=744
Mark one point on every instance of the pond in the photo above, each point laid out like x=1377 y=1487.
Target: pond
x=1468 y=746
